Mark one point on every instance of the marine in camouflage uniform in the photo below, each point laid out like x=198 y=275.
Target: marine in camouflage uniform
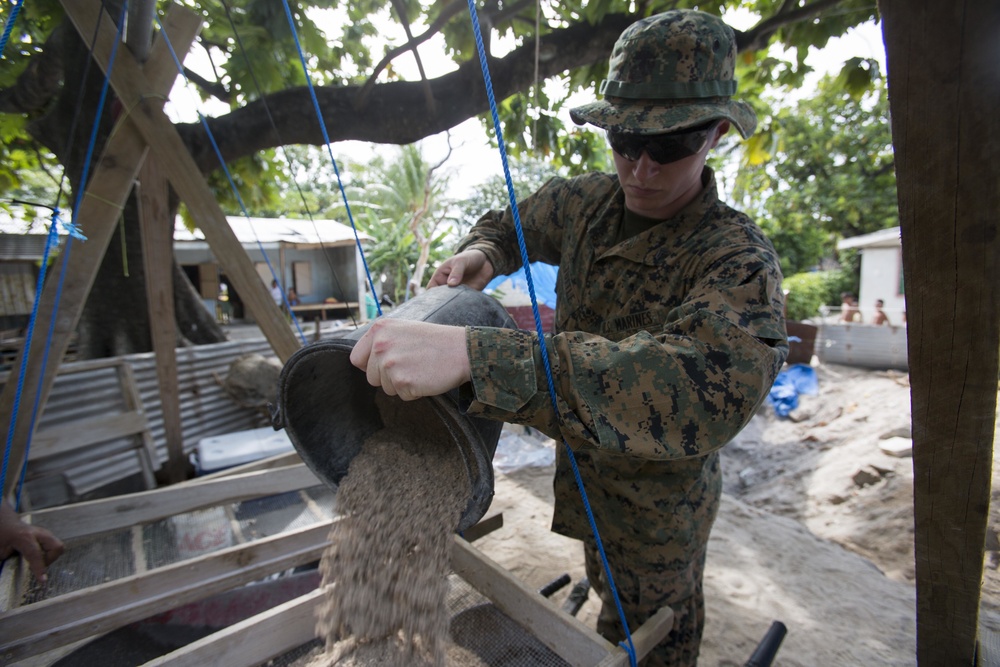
x=669 y=335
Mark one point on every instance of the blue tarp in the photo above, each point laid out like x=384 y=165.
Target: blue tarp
x=794 y=380
x=543 y=277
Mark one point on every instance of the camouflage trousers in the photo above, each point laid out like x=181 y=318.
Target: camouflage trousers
x=642 y=592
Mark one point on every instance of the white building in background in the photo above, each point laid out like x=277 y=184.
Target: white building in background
x=865 y=344
x=881 y=272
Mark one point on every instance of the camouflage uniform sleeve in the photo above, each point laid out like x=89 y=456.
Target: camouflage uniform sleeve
x=683 y=391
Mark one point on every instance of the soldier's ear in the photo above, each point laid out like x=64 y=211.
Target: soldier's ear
x=720 y=131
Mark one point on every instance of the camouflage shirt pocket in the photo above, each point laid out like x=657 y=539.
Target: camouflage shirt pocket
x=507 y=383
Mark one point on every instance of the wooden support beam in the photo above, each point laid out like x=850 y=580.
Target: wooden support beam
x=157 y=231
x=276 y=461
x=41 y=626
x=564 y=634
x=148 y=117
x=95 y=516
x=649 y=634
x=944 y=94
x=85 y=432
x=99 y=211
x=253 y=641
x=292 y=624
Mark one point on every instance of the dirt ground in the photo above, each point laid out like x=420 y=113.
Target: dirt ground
x=815 y=529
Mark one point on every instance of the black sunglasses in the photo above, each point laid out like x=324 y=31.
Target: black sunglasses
x=661 y=148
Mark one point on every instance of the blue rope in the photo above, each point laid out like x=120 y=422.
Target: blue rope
x=232 y=185
x=326 y=140
x=629 y=646
x=51 y=240
x=73 y=229
x=48 y=346
x=10 y=24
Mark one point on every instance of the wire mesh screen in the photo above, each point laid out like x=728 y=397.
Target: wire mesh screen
x=477 y=626
x=480 y=627
x=87 y=562
x=98 y=559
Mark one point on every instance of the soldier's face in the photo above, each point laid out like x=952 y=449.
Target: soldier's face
x=659 y=191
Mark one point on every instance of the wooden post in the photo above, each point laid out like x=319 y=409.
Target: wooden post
x=147 y=115
x=100 y=209
x=282 y=274
x=944 y=93
x=157 y=257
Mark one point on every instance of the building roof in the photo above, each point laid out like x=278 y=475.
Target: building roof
x=884 y=238
x=272 y=231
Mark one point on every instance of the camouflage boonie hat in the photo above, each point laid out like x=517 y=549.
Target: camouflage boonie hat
x=669 y=72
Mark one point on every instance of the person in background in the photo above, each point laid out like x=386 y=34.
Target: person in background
x=849 y=311
x=37 y=546
x=293 y=297
x=880 y=317
x=669 y=325
x=276 y=294
x=225 y=308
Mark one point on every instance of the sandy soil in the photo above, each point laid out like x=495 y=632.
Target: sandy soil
x=815 y=530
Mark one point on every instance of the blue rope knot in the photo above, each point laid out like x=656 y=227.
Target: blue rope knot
x=70 y=228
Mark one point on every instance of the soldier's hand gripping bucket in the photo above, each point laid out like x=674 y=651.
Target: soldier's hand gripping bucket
x=328 y=408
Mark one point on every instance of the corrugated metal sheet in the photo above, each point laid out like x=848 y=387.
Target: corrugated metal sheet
x=863 y=345
x=23 y=246
x=206 y=410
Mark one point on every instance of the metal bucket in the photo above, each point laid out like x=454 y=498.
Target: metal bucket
x=328 y=408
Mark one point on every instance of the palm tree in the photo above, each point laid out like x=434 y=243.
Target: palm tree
x=402 y=204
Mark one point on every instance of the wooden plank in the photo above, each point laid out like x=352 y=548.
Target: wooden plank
x=290 y=625
x=234 y=524
x=649 y=634
x=157 y=232
x=129 y=83
x=484 y=527
x=946 y=137
x=9 y=588
x=138 y=550
x=147 y=447
x=49 y=658
x=101 y=206
x=95 y=516
x=253 y=641
x=312 y=505
x=41 y=626
x=564 y=634
x=276 y=461
x=86 y=432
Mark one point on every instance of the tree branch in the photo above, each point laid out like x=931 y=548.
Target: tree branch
x=395 y=113
x=757 y=37
x=213 y=88
x=411 y=45
x=405 y=21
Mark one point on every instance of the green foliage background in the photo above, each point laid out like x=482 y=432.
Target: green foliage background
x=818 y=170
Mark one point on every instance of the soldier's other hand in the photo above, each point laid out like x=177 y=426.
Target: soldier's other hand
x=469 y=267
x=413 y=359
